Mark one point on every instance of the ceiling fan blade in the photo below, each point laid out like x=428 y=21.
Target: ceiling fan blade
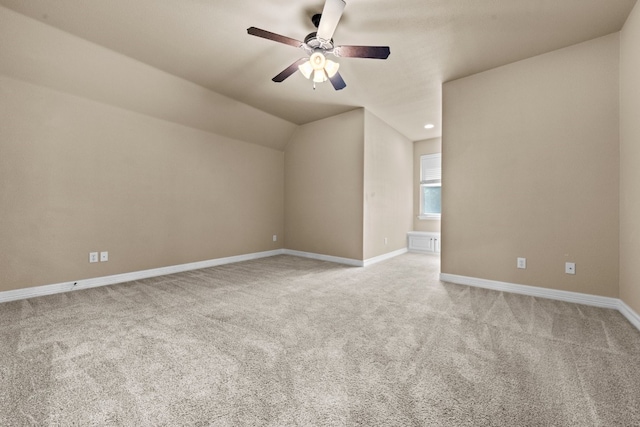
x=273 y=36
x=337 y=81
x=289 y=70
x=331 y=15
x=374 y=52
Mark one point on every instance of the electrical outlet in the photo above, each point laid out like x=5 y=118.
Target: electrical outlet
x=570 y=267
x=521 y=263
x=93 y=256
x=275 y=237
x=104 y=256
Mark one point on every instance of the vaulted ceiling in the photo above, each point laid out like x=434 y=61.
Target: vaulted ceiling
x=431 y=41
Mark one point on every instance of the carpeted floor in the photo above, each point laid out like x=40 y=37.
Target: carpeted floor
x=287 y=341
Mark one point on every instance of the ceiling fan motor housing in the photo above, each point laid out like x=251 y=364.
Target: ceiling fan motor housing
x=314 y=42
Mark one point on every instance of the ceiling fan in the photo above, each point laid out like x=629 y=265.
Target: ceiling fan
x=318 y=45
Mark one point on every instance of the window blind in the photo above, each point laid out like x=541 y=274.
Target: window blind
x=431 y=169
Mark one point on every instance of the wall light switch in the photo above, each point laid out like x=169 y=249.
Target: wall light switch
x=104 y=256
x=522 y=263
x=275 y=237
x=570 y=267
x=93 y=256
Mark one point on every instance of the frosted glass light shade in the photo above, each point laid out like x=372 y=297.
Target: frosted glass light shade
x=317 y=60
x=331 y=68
x=321 y=68
x=306 y=69
x=319 y=76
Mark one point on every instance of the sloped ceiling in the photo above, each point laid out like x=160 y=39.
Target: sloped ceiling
x=432 y=41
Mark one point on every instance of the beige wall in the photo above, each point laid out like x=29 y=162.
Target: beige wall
x=324 y=169
x=37 y=53
x=530 y=169
x=99 y=152
x=420 y=148
x=78 y=176
x=630 y=161
x=388 y=182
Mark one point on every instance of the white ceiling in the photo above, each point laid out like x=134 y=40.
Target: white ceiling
x=431 y=41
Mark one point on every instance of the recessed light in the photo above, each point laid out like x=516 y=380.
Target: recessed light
x=429 y=126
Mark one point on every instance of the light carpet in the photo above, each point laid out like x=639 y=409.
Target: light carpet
x=288 y=341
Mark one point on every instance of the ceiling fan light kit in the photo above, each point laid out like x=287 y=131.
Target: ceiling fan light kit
x=322 y=68
x=319 y=44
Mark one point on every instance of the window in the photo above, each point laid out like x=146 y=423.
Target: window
x=430 y=186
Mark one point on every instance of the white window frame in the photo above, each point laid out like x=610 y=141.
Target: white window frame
x=430 y=176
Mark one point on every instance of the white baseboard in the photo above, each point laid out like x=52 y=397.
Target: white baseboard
x=631 y=315
x=384 y=257
x=575 y=297
x=347 y=261
x=38 y=291
x=534 y=291
x=321 y=257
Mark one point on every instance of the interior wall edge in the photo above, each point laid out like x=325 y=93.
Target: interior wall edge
x=629 y=209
